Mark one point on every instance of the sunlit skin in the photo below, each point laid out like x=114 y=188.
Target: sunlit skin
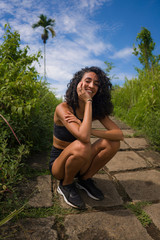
x=90 y=82
x=80 y=155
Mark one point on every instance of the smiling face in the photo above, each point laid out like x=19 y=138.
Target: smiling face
x=91 y=83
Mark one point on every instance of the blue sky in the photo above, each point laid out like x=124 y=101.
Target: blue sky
x=88 y=33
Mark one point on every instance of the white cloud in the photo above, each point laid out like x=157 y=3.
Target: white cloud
x=78 y=41
x=64 y=61
x=91 y=4
x=69 y=24
x=6 y=8
x=123 y=53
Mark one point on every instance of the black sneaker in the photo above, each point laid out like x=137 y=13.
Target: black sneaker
x=90 y=188
x=71 y=195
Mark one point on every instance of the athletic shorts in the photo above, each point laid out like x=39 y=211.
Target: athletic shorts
x=55 y=152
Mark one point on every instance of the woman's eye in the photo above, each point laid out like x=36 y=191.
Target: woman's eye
x=96 y=84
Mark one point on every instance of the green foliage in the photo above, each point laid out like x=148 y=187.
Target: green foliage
x=10 y=161
x=109 y=67
x=145 y=49
x=138 y=104
x=47 y=25
x=56 y=210
x=26 y=103
x=11 y=215
x=137 y=209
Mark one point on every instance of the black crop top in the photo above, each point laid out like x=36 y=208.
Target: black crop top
x=62 y=133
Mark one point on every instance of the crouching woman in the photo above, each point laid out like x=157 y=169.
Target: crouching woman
x=88 y=98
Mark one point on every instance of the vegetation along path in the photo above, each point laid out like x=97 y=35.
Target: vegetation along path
x=129 y=211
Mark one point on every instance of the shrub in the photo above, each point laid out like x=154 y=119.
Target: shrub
x=26 y=103
x=138 y=103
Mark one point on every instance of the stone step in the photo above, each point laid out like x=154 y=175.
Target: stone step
x=141 y=185
x=30 y=229
x=42 y=194
x=130 y=144
x=136 y=143
x=127 y=160
x=154 y=212
x=108 y=225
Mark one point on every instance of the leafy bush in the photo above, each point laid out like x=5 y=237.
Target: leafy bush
x=138 y=103
x=26 y=103
x=10 y=161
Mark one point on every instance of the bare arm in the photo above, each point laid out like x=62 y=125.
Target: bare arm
x=70 y=117
x=112 y=132
x=80 y=131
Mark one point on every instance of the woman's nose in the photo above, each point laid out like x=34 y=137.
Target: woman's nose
x=91 y=84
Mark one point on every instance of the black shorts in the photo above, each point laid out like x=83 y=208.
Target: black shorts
x=55 y=152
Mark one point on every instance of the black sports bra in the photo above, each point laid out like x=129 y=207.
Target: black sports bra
x=62 y=133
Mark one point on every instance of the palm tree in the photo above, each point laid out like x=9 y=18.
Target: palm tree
x=47 y=25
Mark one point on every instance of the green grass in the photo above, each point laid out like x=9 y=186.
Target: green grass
x=56 y=210
x=137 y=209
x=137 y=104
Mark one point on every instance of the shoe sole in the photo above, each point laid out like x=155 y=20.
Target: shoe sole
x=65 y=199
x=88 y=193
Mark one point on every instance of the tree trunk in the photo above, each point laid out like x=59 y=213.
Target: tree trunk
x=44 y=61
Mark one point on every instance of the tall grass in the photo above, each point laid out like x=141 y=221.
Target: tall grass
x=138 y=104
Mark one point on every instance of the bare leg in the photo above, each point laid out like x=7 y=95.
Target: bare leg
x=74 y=158
x=102 y=152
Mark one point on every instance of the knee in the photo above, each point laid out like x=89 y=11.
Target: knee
x=81 y=155
x=113 y=146
x=82 y=150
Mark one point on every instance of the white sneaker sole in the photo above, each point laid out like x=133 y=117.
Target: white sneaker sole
x=88 y=193
x=65 y=199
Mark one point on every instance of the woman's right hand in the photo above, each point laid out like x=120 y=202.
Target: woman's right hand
x=82 y=93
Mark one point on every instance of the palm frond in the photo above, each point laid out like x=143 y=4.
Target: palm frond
x=52 y=31
x=47 y=25
x=35 y=25
x=51 y=22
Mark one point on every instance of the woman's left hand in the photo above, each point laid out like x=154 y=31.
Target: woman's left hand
x=70 y=117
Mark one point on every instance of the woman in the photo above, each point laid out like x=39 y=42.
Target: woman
x=88 y=98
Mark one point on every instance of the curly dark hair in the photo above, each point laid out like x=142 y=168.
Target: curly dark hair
x=102 y=105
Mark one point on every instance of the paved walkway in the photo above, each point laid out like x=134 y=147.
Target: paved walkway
x=132 y=176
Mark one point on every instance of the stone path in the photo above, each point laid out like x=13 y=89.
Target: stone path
x=132 y=176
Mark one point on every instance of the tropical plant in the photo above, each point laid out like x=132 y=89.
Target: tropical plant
x=145 y=49
x=47 y=25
